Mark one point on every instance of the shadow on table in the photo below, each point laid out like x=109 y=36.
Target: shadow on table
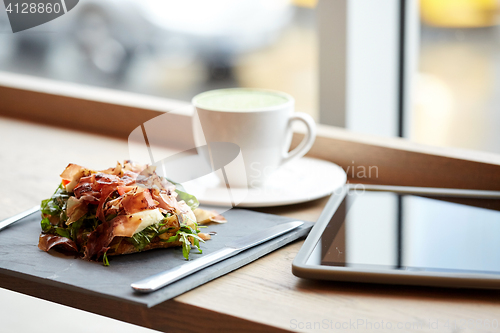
x=464 y=295
x=307 y=211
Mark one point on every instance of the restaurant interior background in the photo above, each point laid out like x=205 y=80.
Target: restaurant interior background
x=166 y=49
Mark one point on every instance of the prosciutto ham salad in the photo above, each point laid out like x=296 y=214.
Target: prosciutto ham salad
x=121 y=210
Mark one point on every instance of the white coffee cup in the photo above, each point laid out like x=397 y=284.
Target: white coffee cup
x=259 y=122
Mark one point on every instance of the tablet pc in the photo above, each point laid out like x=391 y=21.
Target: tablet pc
x=405 y=235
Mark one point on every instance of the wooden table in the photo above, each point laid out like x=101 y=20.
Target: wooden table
x=263 y=295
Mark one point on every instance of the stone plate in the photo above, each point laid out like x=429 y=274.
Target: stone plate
x=21 y=258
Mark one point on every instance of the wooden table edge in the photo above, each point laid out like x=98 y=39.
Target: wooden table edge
x=169 y=316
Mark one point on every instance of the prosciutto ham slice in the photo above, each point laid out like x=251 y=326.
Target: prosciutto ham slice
x=47 y=241
x=138 y=201
x=124 y=209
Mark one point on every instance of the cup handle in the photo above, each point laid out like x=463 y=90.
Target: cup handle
x=308 y=140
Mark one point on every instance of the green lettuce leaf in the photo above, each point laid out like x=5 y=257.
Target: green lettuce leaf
x=105 y=260
x=56 y=204
x=46 y=225
x=48 y=228
x=141 y=239
x=190 y=199
x=183 y=235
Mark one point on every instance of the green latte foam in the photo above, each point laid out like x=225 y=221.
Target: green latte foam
x=239 y=100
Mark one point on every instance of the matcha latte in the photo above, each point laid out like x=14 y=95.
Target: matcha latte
x=259 y=123
x=241 y=100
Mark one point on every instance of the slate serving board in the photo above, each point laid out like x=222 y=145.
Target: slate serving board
x=20 y=257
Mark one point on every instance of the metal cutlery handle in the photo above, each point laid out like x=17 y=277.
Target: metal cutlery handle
x=15 y=218
x=162 y=279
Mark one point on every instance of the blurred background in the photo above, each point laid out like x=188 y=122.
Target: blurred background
x=176 y=49
x=165 y=48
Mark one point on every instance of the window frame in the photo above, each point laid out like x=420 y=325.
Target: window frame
x=348 y=96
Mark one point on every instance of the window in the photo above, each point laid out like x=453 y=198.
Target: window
x=426 y=69
x=172 y=48
x=457 y=92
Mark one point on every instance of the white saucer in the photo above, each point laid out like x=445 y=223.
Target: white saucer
x=299 y=181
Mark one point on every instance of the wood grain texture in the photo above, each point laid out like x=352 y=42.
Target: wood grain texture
x=365 y=158
x=268 y=292
x=97 y=110
x=170 y=316
x=394 y=161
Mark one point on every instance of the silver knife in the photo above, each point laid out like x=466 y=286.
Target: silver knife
x=15 y=218
x=162 y=279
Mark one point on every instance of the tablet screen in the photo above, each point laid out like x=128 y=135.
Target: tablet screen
x=387 y=231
